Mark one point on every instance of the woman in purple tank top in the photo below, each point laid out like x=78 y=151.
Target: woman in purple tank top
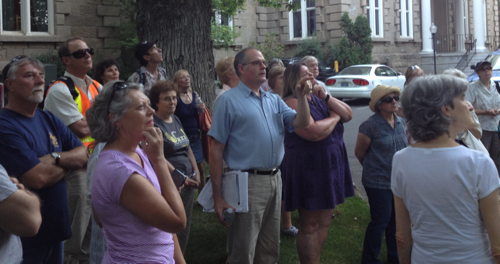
x=133 y=195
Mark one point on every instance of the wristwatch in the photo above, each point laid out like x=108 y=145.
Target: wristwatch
x=56 y=156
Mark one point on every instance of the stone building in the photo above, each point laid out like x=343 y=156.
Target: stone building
x=400 y=29
x=36 y=28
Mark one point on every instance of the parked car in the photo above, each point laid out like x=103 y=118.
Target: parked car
x=358 y=81
x=494 y=59
x=325 y=71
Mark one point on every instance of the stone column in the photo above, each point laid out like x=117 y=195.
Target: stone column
x=479 y=20
x=460 y=26
x=425 y=10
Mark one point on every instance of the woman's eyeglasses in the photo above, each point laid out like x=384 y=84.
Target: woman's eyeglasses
x=116 y=86
x=389 y=99
x=81 y=53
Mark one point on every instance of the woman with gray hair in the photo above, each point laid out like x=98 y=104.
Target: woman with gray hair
x=312 y=64
x=445 y=195
x=133 y=195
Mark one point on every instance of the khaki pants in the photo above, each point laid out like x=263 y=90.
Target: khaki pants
x=254 y=237
x=76 y=248
x=492 y=143
x=187 y=195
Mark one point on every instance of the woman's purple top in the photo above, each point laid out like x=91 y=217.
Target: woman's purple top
x=128 y=239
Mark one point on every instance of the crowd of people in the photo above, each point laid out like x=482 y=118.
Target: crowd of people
x=101 y=170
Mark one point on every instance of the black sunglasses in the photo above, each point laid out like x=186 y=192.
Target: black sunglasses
x=81 y=53
x=116 y=86
x=388 y=99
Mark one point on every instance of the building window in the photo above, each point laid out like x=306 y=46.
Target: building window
x=223 y=19
x=406 y=16
x=27 y=17
x=374 y=12
x=302 y=22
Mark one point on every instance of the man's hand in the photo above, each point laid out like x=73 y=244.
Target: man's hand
x=305 y=85
x=220 y=205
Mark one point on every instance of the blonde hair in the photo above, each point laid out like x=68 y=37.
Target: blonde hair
x=223 y=68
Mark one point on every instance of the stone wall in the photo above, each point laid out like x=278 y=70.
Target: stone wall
x=94 y=20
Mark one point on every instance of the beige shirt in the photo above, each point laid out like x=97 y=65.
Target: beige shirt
x=484 y=98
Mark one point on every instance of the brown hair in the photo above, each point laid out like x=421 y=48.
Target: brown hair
x=158 y=88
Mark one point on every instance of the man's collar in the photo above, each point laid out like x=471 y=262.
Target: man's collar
x=248 y=92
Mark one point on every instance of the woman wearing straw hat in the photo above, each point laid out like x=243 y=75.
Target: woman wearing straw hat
x=379 y=137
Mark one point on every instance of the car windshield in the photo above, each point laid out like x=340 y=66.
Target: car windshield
x=355 y=71
x=495 y=61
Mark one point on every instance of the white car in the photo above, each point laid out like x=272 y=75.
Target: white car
x=358 y=81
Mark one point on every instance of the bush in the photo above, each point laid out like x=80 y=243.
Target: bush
x=271 y=47
x=355 y=47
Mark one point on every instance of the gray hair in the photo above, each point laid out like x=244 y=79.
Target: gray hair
x=307 y=59
x=455 y=72
x=11 y=68
x=240 y=59
x=422 y=101
x=108 y=108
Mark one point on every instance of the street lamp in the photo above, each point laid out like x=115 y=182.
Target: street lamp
x=433 y=30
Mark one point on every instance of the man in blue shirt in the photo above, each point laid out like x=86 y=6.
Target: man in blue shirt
x=248 y=129
x=38 y=149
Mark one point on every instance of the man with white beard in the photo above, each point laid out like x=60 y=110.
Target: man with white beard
x=38 y=149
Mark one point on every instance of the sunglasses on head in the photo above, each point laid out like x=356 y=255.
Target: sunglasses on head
x=388 y=99
x=116 y=86
x=9 y=65
x=81 y=53
x=413 y=67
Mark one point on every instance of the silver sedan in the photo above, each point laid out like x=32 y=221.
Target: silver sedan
x=358 y=81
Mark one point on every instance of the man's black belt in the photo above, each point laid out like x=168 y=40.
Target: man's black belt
x=262 y=172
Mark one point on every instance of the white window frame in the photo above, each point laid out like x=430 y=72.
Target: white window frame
x=303 y=20
x=26 y=21
x=218 y=19
x=406 y=18
x=372 y=10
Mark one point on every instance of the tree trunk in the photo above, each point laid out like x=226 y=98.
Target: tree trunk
x=182 y=28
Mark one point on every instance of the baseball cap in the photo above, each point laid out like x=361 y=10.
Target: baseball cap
x=481 y=65
x=142 y=49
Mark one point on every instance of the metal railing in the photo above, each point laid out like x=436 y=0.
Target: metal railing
x=454 y=43
x=467 y=57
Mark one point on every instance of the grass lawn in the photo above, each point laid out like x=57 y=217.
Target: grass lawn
x=207 y=242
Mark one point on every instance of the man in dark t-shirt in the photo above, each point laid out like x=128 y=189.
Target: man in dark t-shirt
x=38 y=149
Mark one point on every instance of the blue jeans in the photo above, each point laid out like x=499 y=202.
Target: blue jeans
x=382 y=221
x=44 y=254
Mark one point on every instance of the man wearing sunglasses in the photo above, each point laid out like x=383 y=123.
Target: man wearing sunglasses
x=39 y=150
x=150 y=57
x=68 y=98
x=483 y=95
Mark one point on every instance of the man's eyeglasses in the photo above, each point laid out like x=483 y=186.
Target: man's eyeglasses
x=116 y=86
x=256 y=63
x=389 y=99
x=81 y=53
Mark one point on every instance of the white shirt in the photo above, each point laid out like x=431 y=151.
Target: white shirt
x=441 y=188
x=484 y=98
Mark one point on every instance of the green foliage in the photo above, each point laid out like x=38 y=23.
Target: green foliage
x=290 y=5
x=355 y=47
x=229 y=7
x=310 y=46
x=343 y=245
x=52 y=58
x=222 y=35
x=271 y=47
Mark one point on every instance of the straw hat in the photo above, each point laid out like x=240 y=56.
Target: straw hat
x=379 y=92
